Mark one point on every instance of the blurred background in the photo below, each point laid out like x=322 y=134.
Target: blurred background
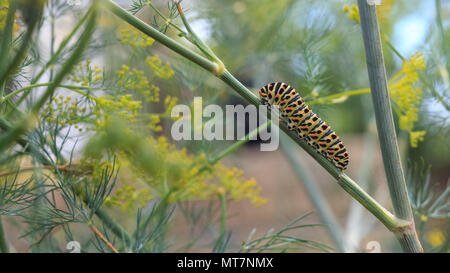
x=316 y=47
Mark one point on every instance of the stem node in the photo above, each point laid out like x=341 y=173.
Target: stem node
x=219 y=69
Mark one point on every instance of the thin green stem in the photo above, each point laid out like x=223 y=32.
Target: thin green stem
x=117 y=229
x=52 y=35
x=223 y=217
x=385 y=122
x=195 y=39
x=109 y=222
x=32 y=23
x=3 y=243
x=440 y=199
x=6 y=36
x=441 y=30
x=161 y=207
x=391 y=46
x=167 y=20
x=337 y=96
x=29 y=87
x=155 y=34
x=239 y=143
x=444 y=50
x=234 y=147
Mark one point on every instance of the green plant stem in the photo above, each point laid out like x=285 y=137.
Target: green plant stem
x=435 y=93
x=3 y=243
x=29 y=87
x=383 y=109
x=389 y=220
x=52 y=35
x=117 y=229
x=26 y=41
x=239 y=143
x=167 y=20
x=234 y=147
x=441 y=30
x=385 y=125
x=160 y=208
x=340 y=95
x=440 y=199
x=223 y=217
x=391 y=46
x=195 y=39
x=444 y=50
x=6 y=36
x=315 y=194
x=160 y=37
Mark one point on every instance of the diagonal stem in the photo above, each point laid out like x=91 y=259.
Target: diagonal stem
x=389 y=220
x=102 y=237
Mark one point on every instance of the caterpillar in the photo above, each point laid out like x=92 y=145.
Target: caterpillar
x=305 y=122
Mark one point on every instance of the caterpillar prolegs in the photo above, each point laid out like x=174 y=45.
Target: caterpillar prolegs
x=308 y=125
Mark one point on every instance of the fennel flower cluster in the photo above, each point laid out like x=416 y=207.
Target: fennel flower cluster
x=168 y=171
x=134 y=38
x=65 y=111
x=352 y=12
x=151 y=166
x=87 y=75
x=406 y=93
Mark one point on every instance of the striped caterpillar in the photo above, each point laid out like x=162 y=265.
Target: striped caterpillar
x=308 y=125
